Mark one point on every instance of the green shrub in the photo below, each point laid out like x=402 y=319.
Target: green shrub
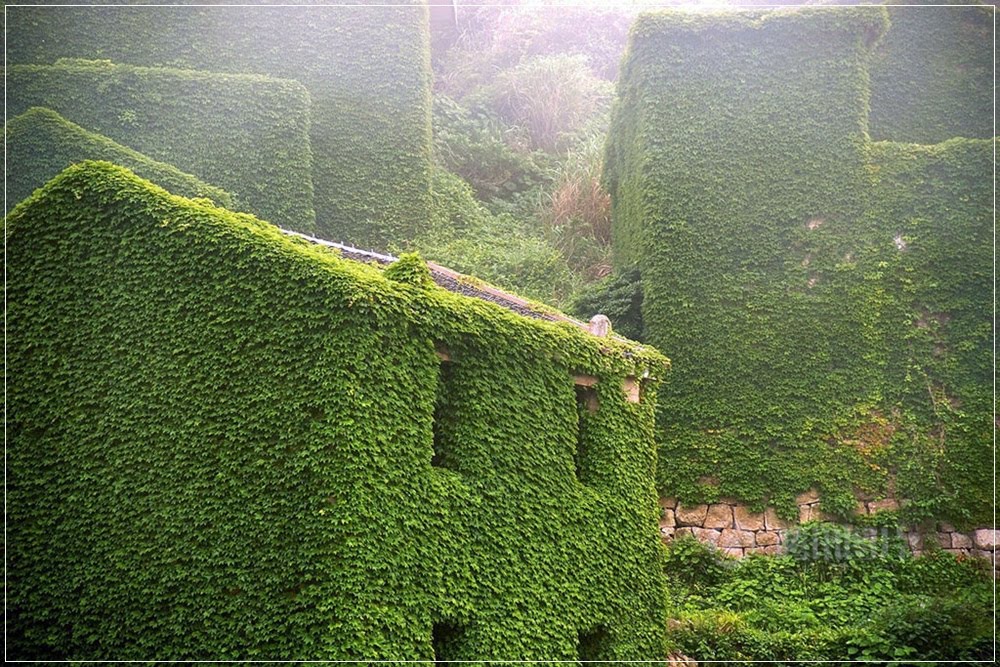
x=576 y=212
x=366 y=68
x=783 y=608
x=824 y=543
x=41 y=143
x=546 y=98
x=937 y=628
x=221 y=446
x=694 y=563
x=463 y=235
x=246 y=134
x=619 y=296
x=473 y=147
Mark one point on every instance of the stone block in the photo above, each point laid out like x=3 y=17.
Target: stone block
x=985 y=539
x=860 y=508
x=807 y=497
x=666 y=532
x=961 y=541
x=736 y=538
x=719 y=516
x=887 y=504
x=806 y=513
x=679 y=532
x=946 y=527
x=943 y=540
x=747 y=520
x=707 y=535
x=668 y=519
x=668 y=503
x=980 y=553
x=691 y=515
x=766 y=538
x=773 y=550
x=916 y=541
x=735 y=552
x=772 y=522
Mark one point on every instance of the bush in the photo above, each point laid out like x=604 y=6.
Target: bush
x=694 y=563
x=783 y=608
x=937 y=627
x=576 y=214
x=828 y=544
x=465 y=236
x=474 y=147
x=547 y=97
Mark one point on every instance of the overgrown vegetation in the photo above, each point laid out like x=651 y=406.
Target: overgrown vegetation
x=41 y=143
x=522 y=98
x=870 y=602
x=826 y=300
x=247 y=134
x=932 y=75
x=229 y=443
x=366 y=69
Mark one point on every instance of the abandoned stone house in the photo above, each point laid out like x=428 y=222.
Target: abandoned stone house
x=217 y=425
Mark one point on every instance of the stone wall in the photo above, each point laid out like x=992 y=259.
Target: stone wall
x=737 y=531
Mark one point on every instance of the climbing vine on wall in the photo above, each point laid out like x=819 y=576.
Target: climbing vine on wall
x=247 y=134
x=366 y=69
x=41 y=143
x=221 y=442
x=779 y=273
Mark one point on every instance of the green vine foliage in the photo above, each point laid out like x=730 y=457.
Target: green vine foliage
x=826 y=301
x=932 y=75
x=221 y=442
x=937 y=323
x=41 y=143
x=367 y=70
x=247 y=134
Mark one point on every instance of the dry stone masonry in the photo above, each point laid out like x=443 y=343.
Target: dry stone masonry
x=736 y=530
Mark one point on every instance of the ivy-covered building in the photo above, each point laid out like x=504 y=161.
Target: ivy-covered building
x=321 y=71
x=226 y=441
x=826 y=298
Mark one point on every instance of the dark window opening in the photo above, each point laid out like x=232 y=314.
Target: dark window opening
x=593 y=644
x=586 y=404
x=586 y=399
x=443 y=456
x=446 y=638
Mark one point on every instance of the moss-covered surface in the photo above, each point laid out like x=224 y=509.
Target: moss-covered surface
x=41 y=143
x=772 y=270
x=367 y=69
x=936 y=202
x=932 y=75
x=246 y=134
x=220 y=445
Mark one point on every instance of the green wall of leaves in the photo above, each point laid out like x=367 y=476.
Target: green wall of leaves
x=367 y=70
x=247 y=134
x=41 y=143
x=932 y=75
x=789 y=268
x=221 y=441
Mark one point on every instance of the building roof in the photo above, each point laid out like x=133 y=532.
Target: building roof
x=453 y=281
